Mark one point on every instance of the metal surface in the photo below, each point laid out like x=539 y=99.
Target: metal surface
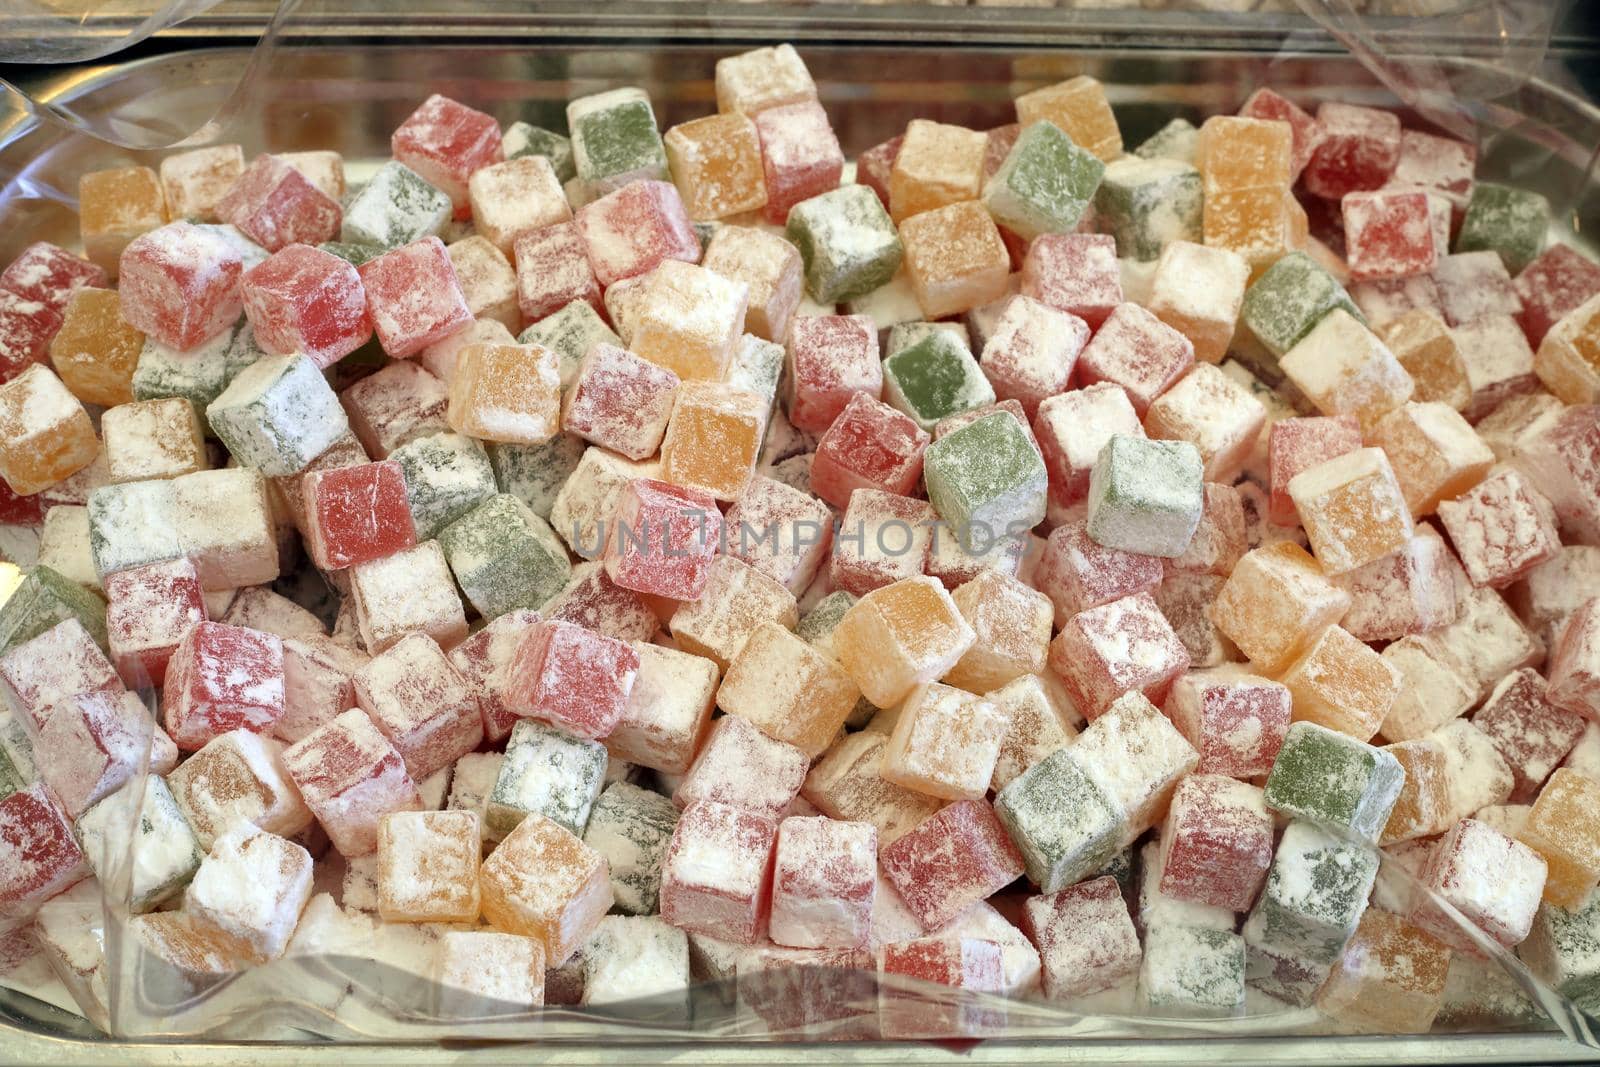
x=349 y=97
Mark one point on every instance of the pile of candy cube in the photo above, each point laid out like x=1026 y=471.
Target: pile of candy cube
x=1005 y=562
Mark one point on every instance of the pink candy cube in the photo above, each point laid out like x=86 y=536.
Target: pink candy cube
x=1296 y=445
x=882 y=538
x=717 y=873
x=1235 y=720
x=1495 y=882
x=275 y=205
x=148 y=611
x=50 y=275
x=357 y=513
x=592 y=600
x=1220 y=539
x=740 y=766
x=1389 y=233
x=1268 y=105
x=629 y=232
x=662 y=539
x=1501 y=529
x=1074 y=272
x=1439 y=164
x=830 y=359
x=351 y=777
x=1117 y=648
x=1575 y=664
x=46 y=671
x=553 y=270
x=92 y=745
x=27 y=327
x=42 y=858
x=1085 y=937
x=180 y=284
x=1358 y=150
x=302 y=299
x=620 y=402
x=965 y=963
x=1137 y=351
x=446 y=142
x=1384 y=301
x=869 y=446
x=421 y=704
x=874 y=165
x=1473 y=286
x=1031 y=352
x=572 y=678
x=1409 y=591
x=800 y=156
x=484 y=663
x=400 y=402
x=1073 y=427
x=824 y=883
x=1078 y=573
x=222 y=678
x=780 y=531
x=1531 y=734
x=317 y=684
x=413 y=297
x=953 y=859
x=1557 y=282
x=1216 y=844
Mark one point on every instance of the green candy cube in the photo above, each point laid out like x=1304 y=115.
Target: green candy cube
x=817 y=625
x=277 y=415
x=447 y=475
x=1192 y=971
x=546 y=772
x=847 y=242
x=1563 y=948
x=133 y=524
x=1289 y=299
x=353 y=254
x=505 y=557
x=1316 y=890
x=1510 y=222
x=934 y=379
x=522 y=139
x=1064 y=825
x=615 y=140
x=570 y=333
x=43 y=599
x=396 y=207
x=1148 y=203
x=1146 y=496
x=534 y=474
x=1177 y=140
x=1333 y=780
x=16 y=755
x=198 y=375
x=902 y=335
x=987 y=480
x=756 y=367
x=631 y=828
x=166 y=853
x=1044 y=185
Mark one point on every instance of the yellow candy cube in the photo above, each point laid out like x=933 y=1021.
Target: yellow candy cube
x=955 y=259
x=1568 y=360
x=96 y=351
x=1275 y=603
x=1428 y=351
x=938 y=165
x=1342 y=684
x=193 y=182
x=114 y=207
x=1235 y=153
x=509 y=393
x=1352 y=509
x=771 y=269
x=1079 y=106
x=789 y=689
x=1562 y=828
x=153 y=439
x=900 y=635
x=45 y=435
x=428 y=866
x=544 y=883
x=1390 y=979
x=1259 y=225
x=736 y=600
x=714 y=438
x=1012 y=623
x=1198 y=292
x=1436 y=454
x=688 y=320
x=1423 y=808
x=1343 y=369
x=716 y=165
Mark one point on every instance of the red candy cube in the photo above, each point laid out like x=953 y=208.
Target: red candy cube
x=413 y=297
x=1031 y=352
x=1268 y=105
x=19 y=510
x=1501 y=529
x=873 y=167
x=869 y=446
x=1117 y=648
x=1086 y=938
x=222 y=678
x=180 y=284
x=275 y=205
x=1078 y=573
x=148 y=611
x=1137 y=351
x=46 y=671
x=1074 y=272
x=39 y=857
x=663 y=539
x=1236 y=721
x=1439 y=164
x=398 y=403
x=629 y=232
x=830 y=359
x=50 y=275
x=1557 y=282
x=1358 y=150
x=717 y=872
x=553 y=270
x=91 y=746
x=1575 y=664
x=302 y=299
x=357 y=513
x=800 y=156
x=592 y=600
x=1216 y=844
x=824 y=883
x=26 y=328
x=740 y=766
x=445 y=142
x=484 y=663
x=1072 y=428
x=1295 y=445
x=421 y=704
x=1531 y=734
x=953 y=859
x=966 y=963
x=1389 y=233
x=572 y=678
x=317 y=686
x=350 y=776
x=620 y=401
x=1409 y=591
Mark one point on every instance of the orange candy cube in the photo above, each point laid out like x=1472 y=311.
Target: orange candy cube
x=114 y=207
x=900 y=635
x=1352 y=509
x=1436 y=454
x=509 y=393
x=1275 y=603
x=938 y=165
x=96 y=352
x=771 y=269
x=1568 y=359
x=1079 y=106
x=544 y=883
x=1562 y=828
x=716 y=165
x=45 y=435
x=714 y=438
x=789 y=689
x=1012 y=622
x=688 y=320
x=1235 y=153
x=955 y=259
x=1428 y=351
x=1390 y=979
x=1423 y=808
x=1342 y=684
